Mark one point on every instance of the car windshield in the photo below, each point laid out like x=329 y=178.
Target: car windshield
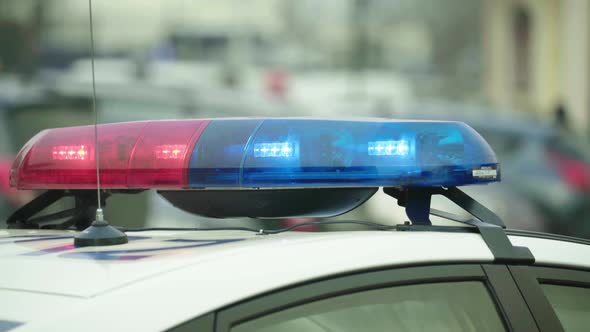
x=515 y=71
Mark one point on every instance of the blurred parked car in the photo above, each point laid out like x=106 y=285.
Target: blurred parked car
x=13 y=94
x=10 y=198
x=166 y=90
x=334 y=93
x=540 y=162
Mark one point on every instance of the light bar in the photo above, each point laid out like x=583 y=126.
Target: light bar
x=257 y=153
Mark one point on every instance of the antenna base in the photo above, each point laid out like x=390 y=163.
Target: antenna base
x=100 y=233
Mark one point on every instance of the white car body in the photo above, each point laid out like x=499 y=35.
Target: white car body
x=163 y=278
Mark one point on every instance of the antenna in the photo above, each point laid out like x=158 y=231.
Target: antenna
x=100 y=233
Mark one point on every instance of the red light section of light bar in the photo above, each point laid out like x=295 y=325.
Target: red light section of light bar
x=149 y=171
x=63 y=158
x=76 y=152
x=170 y=151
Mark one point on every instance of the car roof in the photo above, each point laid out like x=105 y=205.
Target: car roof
x=133 y=283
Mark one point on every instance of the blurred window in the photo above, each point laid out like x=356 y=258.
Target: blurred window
x=118 y=110
x=201 y=47
x=522 y=37
x=5 y=140
x=25 y=121
x=503 y=143
x=5 y=211
x=453 y=306
x=568 y=146
x=571 y=304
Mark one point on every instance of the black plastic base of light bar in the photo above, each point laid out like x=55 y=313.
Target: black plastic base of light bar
x=100 y=235
x=269 y=203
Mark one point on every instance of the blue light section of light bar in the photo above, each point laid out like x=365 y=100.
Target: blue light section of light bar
x=219 y=153
x=301 y=153
x=282 y=150
x=389 y=148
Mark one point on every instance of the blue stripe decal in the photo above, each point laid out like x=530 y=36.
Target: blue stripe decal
x=31 y=236
x=36 y=239
x=135 y=254
x=50 y=250
x=189 y=240
x=6 y=325
x=50 y=237
x=66 y=247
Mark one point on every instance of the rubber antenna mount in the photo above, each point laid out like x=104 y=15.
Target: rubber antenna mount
x=100 y=233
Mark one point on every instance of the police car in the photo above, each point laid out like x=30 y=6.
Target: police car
x=472 y=276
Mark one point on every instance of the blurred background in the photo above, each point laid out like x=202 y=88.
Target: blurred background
x=518 y=71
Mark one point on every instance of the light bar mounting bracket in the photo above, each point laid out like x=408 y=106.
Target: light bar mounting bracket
x=80 y=216
x=489 y=225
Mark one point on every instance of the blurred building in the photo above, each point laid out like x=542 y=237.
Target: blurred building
x=432 y=44
x=537 y=57
x=121 y=27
